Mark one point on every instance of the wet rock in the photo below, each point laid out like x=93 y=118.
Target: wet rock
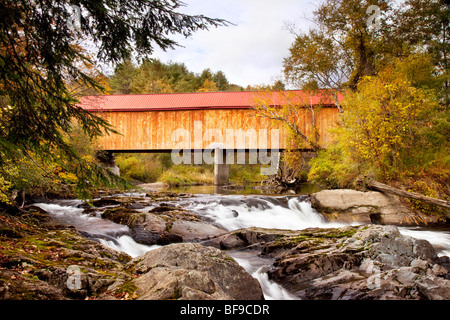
x=192 y=271
x=163 y=208
x=192 y=230
x=352 y=262
x=10 y=233
x=231 y=241
x=260 y=238
x=376 y=262
x=162 y=225
x=365 y=207
x=105 y=202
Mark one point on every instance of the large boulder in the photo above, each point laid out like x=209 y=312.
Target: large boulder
x=193 y=272
x=350 y=206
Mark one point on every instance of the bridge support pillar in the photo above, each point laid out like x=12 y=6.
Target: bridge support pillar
x=221 y=168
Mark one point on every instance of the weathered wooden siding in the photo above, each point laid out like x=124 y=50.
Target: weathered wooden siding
x=156 y=130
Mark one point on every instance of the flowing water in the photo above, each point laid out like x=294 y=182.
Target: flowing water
x=230 y=212
x=113 y=235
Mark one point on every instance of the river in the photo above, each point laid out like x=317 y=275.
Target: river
x=231 y=212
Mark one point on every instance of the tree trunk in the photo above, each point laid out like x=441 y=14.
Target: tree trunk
x=375 y=185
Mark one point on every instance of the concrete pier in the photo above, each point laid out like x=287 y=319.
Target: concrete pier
x=221 y=168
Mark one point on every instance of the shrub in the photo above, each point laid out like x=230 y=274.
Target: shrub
x=393 y=130
x=141 y=167
x=183 y=175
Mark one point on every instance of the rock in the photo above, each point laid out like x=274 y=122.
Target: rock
x=103 y=202
x=434 y=288
x=163 y=208
x=231 y=241
x=192 y=230
x=172 y=284
x=386 y=245
x=10 y=233
x=192 y=271
x=162 y=225
x=120 y=215
x=352 y=262
x=14 y=286
x=148 y=229
x=39 y=267
x=365 y=207
x=245 y=237
x=294 y=271
x=130 y=202
x=376 y=262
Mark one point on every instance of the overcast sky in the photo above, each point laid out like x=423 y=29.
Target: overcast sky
x=250 y=52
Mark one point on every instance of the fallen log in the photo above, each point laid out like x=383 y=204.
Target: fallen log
x=378 y=186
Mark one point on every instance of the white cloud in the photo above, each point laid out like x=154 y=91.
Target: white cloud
x=251 y=51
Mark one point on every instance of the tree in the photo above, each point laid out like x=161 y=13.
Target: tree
x=394 y=129
x=395 y=132
x=425 y=26
x=39 y=56
x=288 y=112
x=123 y=77
x=344 y=47
x=315 y=62
x=153 y=76
x=208 y=86
x=221 y=81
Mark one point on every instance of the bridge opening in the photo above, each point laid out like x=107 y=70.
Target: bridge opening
x=242 y=166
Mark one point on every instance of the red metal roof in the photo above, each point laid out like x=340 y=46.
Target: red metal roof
x=199 y=100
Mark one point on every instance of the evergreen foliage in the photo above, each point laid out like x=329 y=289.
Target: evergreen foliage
x=153 y=76
x=40 y=56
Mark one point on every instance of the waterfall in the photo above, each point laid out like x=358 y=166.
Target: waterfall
x=113 y=235
x=230 y=212
x=264 y=212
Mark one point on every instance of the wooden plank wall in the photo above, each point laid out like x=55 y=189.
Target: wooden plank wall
x=157 y=130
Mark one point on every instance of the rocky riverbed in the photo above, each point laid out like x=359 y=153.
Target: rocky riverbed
x=186 y=248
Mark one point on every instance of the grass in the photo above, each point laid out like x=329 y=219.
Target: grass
x=142 y=167
x=245 y=173
x=184 y=175
x=159 y=167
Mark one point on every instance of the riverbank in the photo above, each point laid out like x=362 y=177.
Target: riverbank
x=115 y=241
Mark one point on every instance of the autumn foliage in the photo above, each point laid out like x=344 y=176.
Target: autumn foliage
x=394 y=130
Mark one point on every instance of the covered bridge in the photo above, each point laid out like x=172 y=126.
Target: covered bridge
x=196 y=122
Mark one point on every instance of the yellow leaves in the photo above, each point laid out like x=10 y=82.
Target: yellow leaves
x=68 y=176
x=382 y=118
x=88 y=158
x=208 y=86
x=4 y=187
